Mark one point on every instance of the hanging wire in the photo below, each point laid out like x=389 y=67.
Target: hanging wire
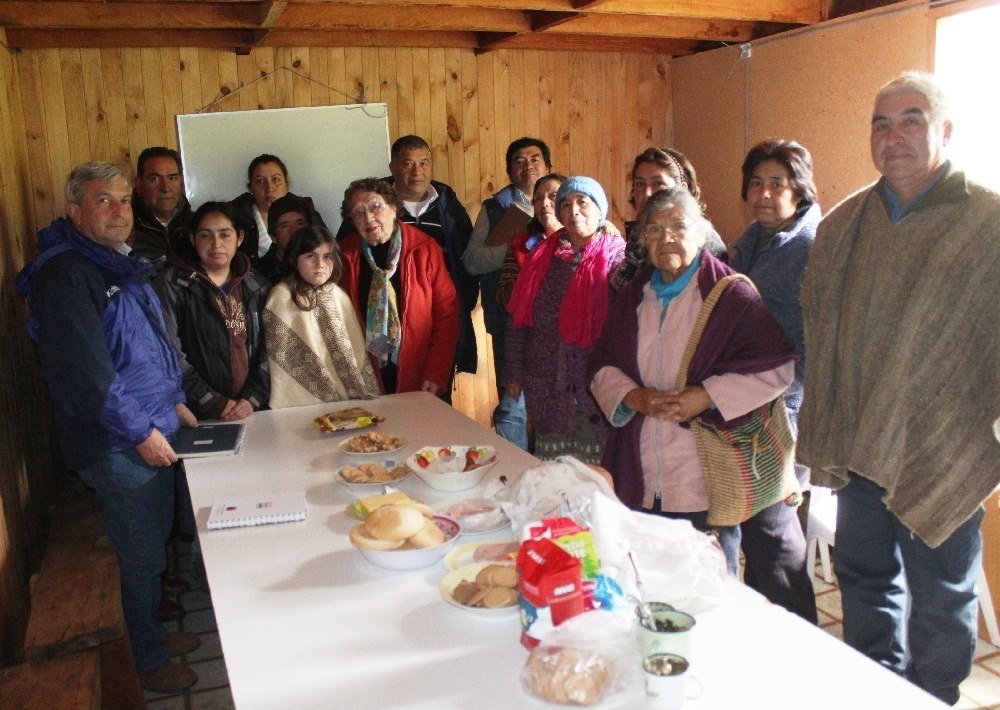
x=363 y=104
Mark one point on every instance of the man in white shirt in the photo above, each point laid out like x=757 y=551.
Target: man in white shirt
x=434 y=208
x=527 y=160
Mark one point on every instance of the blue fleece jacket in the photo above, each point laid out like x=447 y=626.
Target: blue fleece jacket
x=101 y=344
x=777 y=272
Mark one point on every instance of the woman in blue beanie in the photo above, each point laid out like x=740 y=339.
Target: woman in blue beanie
x=557 y=309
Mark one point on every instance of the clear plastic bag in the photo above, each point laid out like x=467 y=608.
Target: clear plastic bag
x=584 y=660
x=679 y=565
x=561 y=487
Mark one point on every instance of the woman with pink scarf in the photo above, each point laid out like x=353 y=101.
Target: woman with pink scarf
x=558 y=307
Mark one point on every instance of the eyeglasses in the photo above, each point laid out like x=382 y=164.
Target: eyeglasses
x=375 y=207
x=658 y=231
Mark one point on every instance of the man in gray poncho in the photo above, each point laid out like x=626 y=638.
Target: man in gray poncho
x=903 y=382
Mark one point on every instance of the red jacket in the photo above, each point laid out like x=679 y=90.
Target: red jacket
x=430 y=308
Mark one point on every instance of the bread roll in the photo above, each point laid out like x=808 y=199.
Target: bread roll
x=567 y=676
x=424 y=509
x=394 y=522
x=360 y=538
x=428 y=536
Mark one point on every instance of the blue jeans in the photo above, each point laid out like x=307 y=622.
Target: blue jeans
x=883 y=568
x=510 y=419
x=137 y=502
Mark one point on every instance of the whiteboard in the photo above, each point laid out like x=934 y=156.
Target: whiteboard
x=323 y=147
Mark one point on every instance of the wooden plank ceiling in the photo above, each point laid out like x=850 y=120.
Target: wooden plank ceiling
x=669 y=27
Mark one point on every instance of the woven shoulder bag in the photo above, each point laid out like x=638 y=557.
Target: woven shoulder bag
x=749 y=467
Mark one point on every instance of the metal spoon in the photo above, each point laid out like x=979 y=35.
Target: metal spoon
x=645 y=614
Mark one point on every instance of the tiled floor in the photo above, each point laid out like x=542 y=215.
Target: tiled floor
x=211 y=692
x=980 y=690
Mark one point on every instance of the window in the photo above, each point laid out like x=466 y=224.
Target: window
x=966 y=62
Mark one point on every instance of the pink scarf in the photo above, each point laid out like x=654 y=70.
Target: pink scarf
x=585 y=304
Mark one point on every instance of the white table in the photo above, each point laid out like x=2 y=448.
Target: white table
x=306 y=622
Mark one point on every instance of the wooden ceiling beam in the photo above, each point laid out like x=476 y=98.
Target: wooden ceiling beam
x=783 y=11
x=666 y=27
x=401 y=16
x=368 y=38
x=541 y=21
x=46 y=39
x=271 y=12
x=128 y=15
x=800 y=12
x=589 y=43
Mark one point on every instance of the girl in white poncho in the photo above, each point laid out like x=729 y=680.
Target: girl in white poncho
x=315 y=345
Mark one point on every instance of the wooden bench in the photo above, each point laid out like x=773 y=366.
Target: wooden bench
x=76 y=613
x=75 y=596
x=69 y=683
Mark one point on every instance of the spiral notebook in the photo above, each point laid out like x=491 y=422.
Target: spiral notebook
x=258 y=510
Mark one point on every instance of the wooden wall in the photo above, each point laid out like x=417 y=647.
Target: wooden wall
x=26 y=464
x=814 y=85
x=63 y=107
x=111 y=103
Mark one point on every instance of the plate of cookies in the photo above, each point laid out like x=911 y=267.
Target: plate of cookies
x=483 y=588
x=371 y=473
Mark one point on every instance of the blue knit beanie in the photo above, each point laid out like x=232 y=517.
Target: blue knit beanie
x=589 y=187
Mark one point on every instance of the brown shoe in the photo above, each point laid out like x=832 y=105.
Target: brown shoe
x=178 y=643
x=171 y=677
x=169 y=610
x=174 y=587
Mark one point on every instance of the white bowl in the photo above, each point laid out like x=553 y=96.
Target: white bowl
x=446 y=473
x=415 y=559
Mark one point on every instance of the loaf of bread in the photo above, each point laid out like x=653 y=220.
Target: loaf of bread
x=398 y=526
x=567 y=676
x=394 y=522
x=428 y=535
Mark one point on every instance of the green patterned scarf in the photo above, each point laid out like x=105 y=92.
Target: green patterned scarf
x=382 y=331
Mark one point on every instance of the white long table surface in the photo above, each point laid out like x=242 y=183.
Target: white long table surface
x=306 y=622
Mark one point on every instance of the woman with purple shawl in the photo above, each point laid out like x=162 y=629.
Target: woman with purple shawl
x=743 y=360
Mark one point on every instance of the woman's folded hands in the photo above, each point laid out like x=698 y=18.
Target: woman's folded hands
x=669 y=405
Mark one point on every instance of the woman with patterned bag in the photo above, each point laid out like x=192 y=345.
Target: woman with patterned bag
x=668 y=385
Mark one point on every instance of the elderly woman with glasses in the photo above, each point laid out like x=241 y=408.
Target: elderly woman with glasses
x=557 y=309
x=399 y=284
x=742 y=361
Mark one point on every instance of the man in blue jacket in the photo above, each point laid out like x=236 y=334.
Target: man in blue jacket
x=116 y=391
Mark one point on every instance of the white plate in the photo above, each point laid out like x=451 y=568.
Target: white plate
x=344 y=447
x=468 y=573
x=349 y=419
x=403 y=473
x=462 y=555
x=491 y=519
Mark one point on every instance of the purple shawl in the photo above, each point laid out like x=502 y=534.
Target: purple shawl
x=741 y=337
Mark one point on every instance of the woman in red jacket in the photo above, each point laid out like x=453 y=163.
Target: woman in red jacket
x=399 y=284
